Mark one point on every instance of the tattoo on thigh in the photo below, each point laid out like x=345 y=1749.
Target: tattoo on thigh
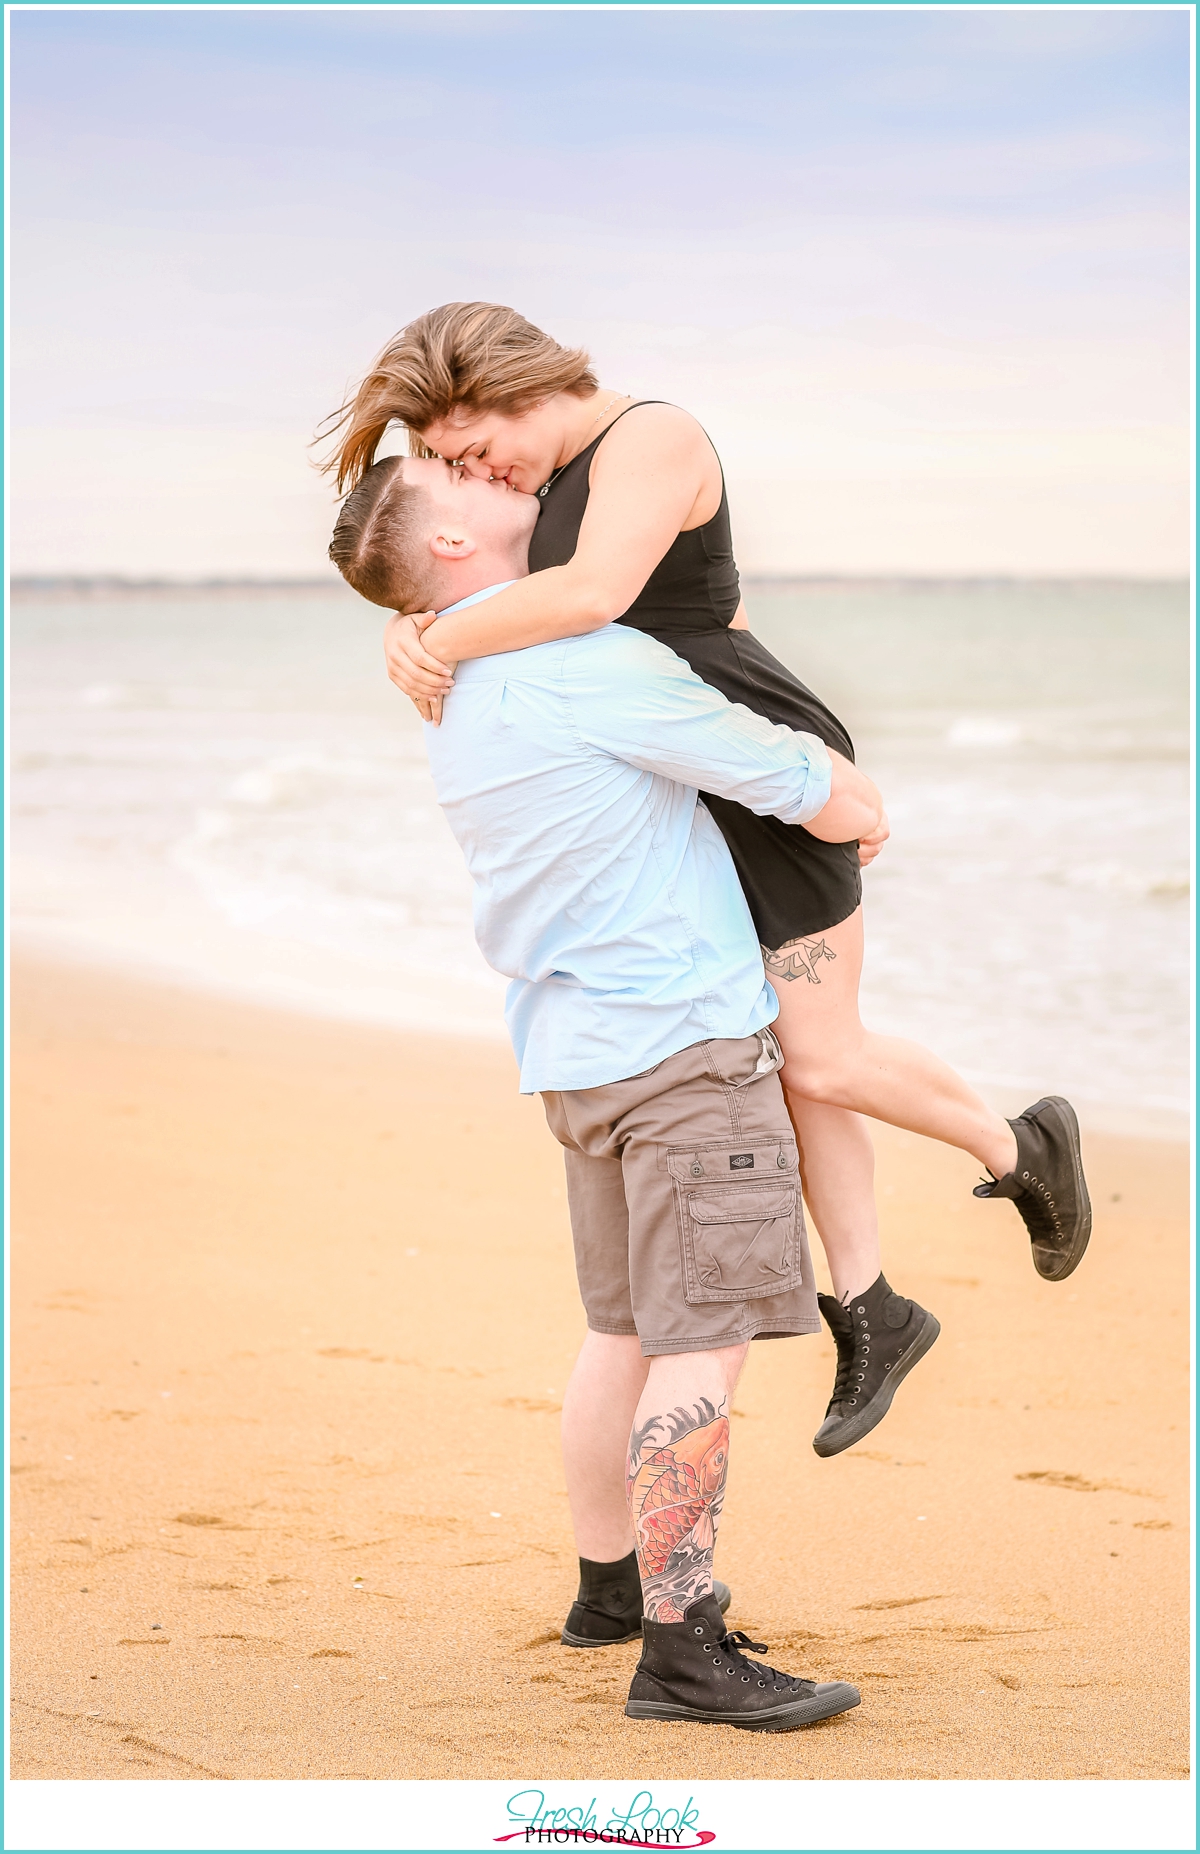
x=798 y=959
x=675 y=1483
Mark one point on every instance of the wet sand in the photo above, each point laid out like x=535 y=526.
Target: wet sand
x=293 y=1310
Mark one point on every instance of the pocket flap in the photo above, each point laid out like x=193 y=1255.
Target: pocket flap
x=743 y=1206
x=699 y=1166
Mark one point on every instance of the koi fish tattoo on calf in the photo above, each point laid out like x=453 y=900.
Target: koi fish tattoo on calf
x=675 y=1484
x=798 y=959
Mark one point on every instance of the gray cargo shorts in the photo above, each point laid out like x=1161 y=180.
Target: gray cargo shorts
x=684 y=1189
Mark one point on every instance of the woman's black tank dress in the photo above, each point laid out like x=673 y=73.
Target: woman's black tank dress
x=795 y=884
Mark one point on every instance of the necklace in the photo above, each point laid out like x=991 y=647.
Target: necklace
x=549 y=485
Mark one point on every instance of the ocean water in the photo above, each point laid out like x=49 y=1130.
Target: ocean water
x=223 y=788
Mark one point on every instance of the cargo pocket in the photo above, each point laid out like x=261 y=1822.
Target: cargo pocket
x=739 y=1244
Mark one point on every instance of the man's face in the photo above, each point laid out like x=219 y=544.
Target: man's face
x=496 y=517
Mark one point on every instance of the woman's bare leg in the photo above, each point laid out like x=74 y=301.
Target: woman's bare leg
x=837 y=1164
x=831 y=1059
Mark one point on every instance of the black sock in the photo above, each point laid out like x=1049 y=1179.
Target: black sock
x=614 y=1589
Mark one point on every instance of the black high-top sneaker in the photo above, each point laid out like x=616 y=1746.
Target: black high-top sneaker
x=696 y=1669
x=879 y=1337
x=1048 y=1186
x=608 y=1608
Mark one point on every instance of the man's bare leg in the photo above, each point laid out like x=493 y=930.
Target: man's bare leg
x=691 y=1667
x=597 y=1415
x=675 y=1475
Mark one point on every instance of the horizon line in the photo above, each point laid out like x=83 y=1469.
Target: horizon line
x=100 y=583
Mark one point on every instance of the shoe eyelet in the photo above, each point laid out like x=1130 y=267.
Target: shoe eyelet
x=699 y=1629
x=745 y=1680
x=862 y=1310
x=762 y=1683
x=853 y=1401
x=1025 y=1176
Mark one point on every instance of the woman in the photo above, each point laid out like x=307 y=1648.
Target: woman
x=635 y=526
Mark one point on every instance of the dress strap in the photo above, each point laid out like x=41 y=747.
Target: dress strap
x=620 y=416
x=616 y=421
x=633 y=408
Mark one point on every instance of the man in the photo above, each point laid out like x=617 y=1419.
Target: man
x=639 y=1009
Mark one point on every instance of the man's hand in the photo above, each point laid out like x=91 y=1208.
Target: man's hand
x=855 y=810
x=870 y=845
x=422 y=676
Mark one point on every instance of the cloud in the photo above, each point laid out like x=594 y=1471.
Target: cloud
x=857 y=229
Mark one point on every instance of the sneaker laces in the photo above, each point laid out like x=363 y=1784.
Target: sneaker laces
x=847 y=1353
x=737 y=1645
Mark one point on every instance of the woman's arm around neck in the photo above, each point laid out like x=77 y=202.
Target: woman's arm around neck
x=653 y=476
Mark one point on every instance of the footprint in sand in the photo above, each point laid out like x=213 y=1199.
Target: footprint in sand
x=899 y=1602
x=1076 y=1483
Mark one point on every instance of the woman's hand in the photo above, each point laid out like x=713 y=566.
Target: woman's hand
x=422 y=676
x=870 y=845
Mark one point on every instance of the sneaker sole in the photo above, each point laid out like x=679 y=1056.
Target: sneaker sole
x=721 y=1591
x=586 y=1641
x=874 y=1412
x=841 y=1697
x=1063 y=1115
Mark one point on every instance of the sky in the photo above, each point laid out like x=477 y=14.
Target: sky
x=922 y=274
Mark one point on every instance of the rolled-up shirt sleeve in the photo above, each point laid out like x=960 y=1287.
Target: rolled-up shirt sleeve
x=651 y=710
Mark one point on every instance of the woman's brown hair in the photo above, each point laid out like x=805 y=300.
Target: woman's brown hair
x=473 y=357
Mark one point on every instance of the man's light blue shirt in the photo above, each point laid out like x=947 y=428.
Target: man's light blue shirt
x=603 y=889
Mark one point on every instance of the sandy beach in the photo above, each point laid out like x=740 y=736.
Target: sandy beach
x=293 y=1309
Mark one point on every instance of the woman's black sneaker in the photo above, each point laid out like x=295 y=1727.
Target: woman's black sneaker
x=1048 y=1186
x=697 y=1670
x=608 y=1608
x=879 y=1338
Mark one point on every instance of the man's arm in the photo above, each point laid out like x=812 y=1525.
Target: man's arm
x=635 y=699
x=854 y=808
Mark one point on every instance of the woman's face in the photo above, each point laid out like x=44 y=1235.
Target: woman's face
x=521 y=449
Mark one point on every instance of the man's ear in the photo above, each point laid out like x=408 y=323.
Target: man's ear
x=451 y=544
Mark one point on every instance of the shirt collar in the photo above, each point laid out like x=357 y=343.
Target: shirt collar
x=475 y=598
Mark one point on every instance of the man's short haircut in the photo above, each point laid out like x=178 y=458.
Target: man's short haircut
x=379 y=541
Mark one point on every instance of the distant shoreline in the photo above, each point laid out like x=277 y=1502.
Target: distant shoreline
x=110 y=585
